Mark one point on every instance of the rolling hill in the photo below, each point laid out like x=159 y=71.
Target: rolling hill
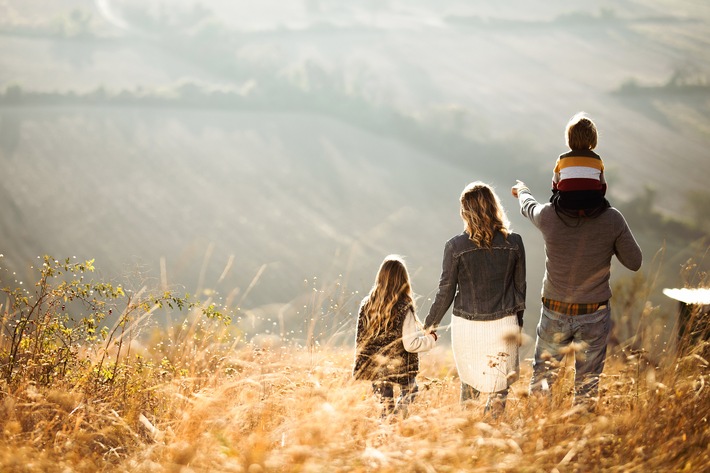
x=274 y=152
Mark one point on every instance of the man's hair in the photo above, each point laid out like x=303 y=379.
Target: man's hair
x=581 y=132
x=482 y=214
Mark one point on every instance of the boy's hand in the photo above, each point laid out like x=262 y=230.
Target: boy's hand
x=518 y=185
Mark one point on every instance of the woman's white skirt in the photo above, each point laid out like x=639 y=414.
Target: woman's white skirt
x=486 y=352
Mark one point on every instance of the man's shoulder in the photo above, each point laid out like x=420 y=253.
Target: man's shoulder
x=615 y=216
x=545 y=209
x=612 y=213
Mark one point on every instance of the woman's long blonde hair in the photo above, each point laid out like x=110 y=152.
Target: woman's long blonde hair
x=391 y=287
x=482 y=214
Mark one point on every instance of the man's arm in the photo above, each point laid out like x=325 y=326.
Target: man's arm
x=626 y=249
x=529 y=207
x=447 y=289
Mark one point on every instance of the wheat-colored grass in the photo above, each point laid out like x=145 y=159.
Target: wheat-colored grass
x=288 y=408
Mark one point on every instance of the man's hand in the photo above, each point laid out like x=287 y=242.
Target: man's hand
x=518 y=185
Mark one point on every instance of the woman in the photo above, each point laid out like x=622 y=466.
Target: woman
x=484 y=276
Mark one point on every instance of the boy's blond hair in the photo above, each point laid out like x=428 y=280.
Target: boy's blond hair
x=581 y=132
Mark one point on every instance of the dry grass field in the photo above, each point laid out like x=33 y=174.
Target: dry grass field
x=289 y=409
x=194 y=397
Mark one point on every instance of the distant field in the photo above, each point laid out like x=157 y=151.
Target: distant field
x=304 y=198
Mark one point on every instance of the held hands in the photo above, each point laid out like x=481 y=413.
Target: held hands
x=517 y=187
x=431 y=331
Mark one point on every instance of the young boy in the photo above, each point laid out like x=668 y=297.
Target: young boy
x=578 y=184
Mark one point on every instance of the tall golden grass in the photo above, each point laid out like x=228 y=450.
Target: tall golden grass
x=196 y=399
x=291 y=409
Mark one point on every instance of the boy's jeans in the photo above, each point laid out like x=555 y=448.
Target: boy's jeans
x=555 y=334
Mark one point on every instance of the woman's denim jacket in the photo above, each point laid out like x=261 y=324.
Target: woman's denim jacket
x=483 y=283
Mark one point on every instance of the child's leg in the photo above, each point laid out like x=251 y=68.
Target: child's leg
x=408 y=391
x=385 y=394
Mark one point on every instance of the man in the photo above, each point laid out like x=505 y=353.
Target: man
x=579 y=245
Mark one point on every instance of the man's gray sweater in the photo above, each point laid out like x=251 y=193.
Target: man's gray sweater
x=578 y=251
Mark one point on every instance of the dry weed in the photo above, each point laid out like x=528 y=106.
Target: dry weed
x=293 y=409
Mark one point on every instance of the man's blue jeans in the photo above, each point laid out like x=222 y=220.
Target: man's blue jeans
x=557 y=335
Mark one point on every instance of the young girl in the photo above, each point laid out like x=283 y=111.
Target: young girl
x=388 y=337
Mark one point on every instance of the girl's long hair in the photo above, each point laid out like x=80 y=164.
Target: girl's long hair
x=482 y=214
x=391 y=287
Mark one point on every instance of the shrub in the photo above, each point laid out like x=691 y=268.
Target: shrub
x=55 y=331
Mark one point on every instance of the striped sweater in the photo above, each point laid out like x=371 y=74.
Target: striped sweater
x=579 y=170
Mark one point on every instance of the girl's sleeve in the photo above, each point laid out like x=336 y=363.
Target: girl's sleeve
x=413 y=338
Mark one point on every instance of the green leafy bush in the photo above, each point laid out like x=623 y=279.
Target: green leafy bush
x=56 y=330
